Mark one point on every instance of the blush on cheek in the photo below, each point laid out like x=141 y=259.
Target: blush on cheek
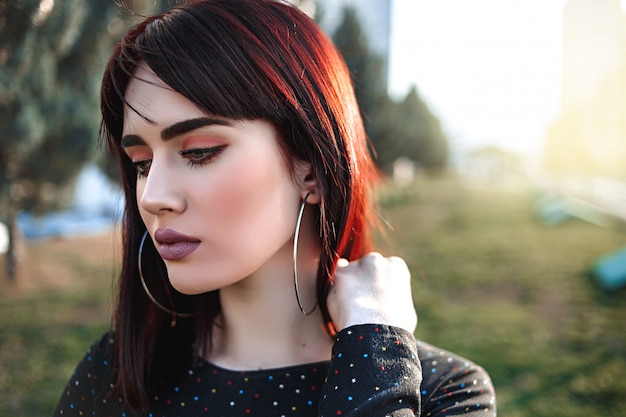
x=235 y=196
x=246 y=188
x=257 y=202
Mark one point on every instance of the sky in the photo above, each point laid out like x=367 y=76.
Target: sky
x=489 y=69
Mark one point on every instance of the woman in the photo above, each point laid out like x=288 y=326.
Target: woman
x=247 y=285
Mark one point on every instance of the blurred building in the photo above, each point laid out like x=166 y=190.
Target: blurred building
x=491 y=167
x=585 y=152
x=594 y=40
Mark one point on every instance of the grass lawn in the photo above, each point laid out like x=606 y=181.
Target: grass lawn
x=490 y=282
x=496 y=285
x=59 y=307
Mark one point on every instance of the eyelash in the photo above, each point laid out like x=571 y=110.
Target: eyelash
x=200 y=157
x=196 y=158
x=142 y=167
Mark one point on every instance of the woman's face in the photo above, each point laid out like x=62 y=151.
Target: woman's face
x=215 y=194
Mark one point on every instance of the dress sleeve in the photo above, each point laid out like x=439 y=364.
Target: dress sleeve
x=86 y=387
x=454 y=385
x=375 y=372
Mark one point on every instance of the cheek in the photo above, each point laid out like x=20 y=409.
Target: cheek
x=256 y=205
x=250 y=191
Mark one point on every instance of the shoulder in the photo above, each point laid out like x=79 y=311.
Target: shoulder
x=89 y=382
x=453 y=383
x=97 y=363
x=102 y=350
x=96 y=366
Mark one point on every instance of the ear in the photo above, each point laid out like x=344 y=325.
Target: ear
x=307 y=182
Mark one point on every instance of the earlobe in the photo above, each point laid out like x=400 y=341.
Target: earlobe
x=311 y=189
x=312 y=195
x=307 y=182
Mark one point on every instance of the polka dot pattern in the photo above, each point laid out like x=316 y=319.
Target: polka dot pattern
x=374 y=371
x=453 y=385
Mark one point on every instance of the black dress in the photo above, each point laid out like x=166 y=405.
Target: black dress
x=375 y=370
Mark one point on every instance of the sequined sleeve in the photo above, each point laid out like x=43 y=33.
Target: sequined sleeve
x=380 y=371
x=453 y=385
x=374 y=371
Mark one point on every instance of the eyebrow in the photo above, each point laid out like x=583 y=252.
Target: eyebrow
x=131 y=140
x=188 y=125
x=174 y=130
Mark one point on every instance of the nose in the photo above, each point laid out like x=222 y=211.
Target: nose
x=159 y=193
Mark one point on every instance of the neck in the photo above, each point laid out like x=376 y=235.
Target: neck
x=261 y=325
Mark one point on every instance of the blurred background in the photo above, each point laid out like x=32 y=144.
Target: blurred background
x=500 y=130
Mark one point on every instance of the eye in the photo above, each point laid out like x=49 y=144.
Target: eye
x=202 y=156
x=142 y=167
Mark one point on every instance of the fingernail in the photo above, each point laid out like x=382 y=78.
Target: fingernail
x=342 y=262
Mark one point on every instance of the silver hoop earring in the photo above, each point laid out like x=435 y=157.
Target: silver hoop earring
x=173 y=313
x=295 y=259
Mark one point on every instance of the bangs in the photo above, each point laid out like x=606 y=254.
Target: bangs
x=206 y=75
x=223 y=76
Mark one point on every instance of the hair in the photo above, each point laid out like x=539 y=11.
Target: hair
x=240 y=59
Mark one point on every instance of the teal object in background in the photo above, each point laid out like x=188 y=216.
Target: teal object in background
x=556 y=209
x=610 y=270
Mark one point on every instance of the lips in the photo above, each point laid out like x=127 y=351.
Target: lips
x=174 y=245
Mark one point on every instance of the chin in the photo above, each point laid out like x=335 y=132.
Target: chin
x=190 y=290
x=188 y=284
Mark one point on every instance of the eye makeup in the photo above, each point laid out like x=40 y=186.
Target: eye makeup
x=202 y=156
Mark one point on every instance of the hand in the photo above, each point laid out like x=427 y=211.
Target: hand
x=373 y=289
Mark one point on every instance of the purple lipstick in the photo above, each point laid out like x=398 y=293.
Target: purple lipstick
x=174 y=245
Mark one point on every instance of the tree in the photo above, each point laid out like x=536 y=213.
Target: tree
x=419 y=132
x=406 y=128
x=51 y=56
x=366 y=69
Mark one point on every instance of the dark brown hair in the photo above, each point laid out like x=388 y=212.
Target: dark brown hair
x=240 y=59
